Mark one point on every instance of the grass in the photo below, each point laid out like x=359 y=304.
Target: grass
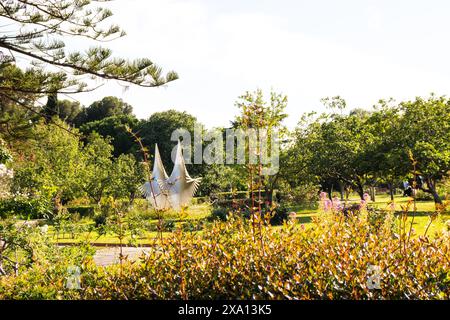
x=194 y=214
x=197 y=213
x=421 y=217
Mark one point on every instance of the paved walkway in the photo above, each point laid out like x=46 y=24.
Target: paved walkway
x=110 y=255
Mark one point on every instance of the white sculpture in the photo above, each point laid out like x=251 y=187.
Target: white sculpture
x=174 y=192
x=155 y=191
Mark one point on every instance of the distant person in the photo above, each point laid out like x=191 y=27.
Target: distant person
x=408 y=192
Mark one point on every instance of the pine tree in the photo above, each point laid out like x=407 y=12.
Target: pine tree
x=36 y=30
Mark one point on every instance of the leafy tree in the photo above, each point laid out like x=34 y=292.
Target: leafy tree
x=37 y=31
x=256 y=113
x=64 y=109
x=127 y=175
x=51 y=166
x=334 y=147
x=115 y=128
x=221 y=178
x=68 y=110
x=159 y=128
x=295 y=170
x=103 y=175
x=107 y=107
x=94 y=176
x=424 y=131
x=385 y=151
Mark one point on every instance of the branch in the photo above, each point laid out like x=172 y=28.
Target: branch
x=81 y=69
x=40 y=114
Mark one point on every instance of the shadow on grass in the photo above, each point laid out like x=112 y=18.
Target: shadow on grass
x=421 y=214
x=305 y=219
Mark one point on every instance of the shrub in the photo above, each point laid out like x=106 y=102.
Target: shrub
x=304 y=196
x=219 y=213
x=280 y=215
x=83 y=210
x=423 y=196
x=27 y=247
x=26 y=207
x=100 y=219
x=228 y=260
x=168 y=225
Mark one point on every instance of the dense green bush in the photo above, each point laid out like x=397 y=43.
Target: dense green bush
x=228 y=260
x=424 y=196
x=279 y=216
x=304 y=195
x=83 y=211
x=27 y=247
x=26 y=207
x=100 y=219
x=219 y=213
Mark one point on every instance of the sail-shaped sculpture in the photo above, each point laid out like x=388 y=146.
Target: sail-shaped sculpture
x=174 y=192
x=181 y=187
x=156 y=190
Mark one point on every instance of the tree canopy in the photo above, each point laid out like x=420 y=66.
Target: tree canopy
x=98 y=110
x=35 y=61
x=384 y=145
x=39 y=29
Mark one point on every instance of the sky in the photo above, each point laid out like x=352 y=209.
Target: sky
x=308 y=50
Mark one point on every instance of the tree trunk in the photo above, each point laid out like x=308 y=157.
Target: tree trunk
x=270 y=187
x=342 y=190
x=436 y=197
x=330 y=191
x=432 y=190
x=132 y=197
x=391 y=191
x=360 y=191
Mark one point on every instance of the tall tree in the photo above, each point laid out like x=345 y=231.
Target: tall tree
x=334 y=147
x=37 y=30
x=115 y=128
x=257 y=113
x=50 y=108
x=424 y=131
x=107 y=107
x=16 y=122
x=159 y=128
x=96 y=169
x=51 y=165
x=386 y=150
x=68 y=110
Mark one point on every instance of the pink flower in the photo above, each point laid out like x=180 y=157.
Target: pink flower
x=337 y=204
x=327 y=205
x=292 y=215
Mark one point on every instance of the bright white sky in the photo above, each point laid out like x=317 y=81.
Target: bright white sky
x=361 y=50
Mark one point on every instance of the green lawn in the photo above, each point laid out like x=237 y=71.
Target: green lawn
x=421 y=217
x=194 y=214
x=197 y=213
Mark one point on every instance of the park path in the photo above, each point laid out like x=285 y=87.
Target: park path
x=110 y=255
